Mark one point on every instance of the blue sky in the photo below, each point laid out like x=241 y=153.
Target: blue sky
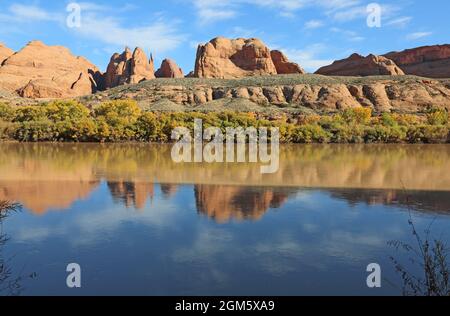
x=311 y=32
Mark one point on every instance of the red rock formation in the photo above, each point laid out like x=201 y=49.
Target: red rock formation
x=128 y=68
x=41 y=71
x=283 y=65
x=357 y=65
x=427 y=61
x=225 y=58
x=169 y=69
x=5 y=52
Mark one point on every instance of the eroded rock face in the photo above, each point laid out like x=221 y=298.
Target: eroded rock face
x=283 y=65
x=427 y=61
x=41 y=71
x=411 y=95
x=5 y=52
x=225 y=58
x=357 y=65
x=128 y=68
x=169 y=69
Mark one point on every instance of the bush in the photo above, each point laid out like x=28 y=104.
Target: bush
x=120 y=117
x=6 y=112
x=428 y=134
x=385 y=134
x=310 y=133
x=147 y=127
x=357 y=115
x=34 y=131
x=437 y=116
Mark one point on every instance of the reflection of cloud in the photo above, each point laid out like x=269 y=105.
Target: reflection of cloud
x=208 y=243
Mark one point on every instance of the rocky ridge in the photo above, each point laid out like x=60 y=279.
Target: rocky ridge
x=426 y=61
x=39 y=71
x=408 y=94
x=357 y=65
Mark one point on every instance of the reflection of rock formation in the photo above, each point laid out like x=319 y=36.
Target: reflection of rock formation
x=169 y=190
x=224 y=203
x=436 y=202
x=41 y=196
x=132 y=193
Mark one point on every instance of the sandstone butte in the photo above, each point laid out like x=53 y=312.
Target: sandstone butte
x=5 y=52
x=41 y=71
x=426 y=61
x=128 y=68
x=227 y=59
x=169 y=69
x=357 y=65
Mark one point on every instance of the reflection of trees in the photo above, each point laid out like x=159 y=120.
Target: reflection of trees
x=9 y=284
x=424 y=201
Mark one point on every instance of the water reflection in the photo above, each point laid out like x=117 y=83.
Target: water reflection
x=200 y=229
x=45 y=177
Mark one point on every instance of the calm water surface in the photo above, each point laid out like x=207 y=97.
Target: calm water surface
x=139 y=224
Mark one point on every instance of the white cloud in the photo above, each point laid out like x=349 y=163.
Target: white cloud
x=399 y=22
x=418 y=35
x=19 y=13
x=157 y=37
x=209 y=11
x=313 y=24
x=308 y=57
x=348 y=34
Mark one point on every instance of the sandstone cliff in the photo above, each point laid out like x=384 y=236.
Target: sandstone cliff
x=225 y=58
x=41 y=71
x=357 y=65
x=169 y=69
x=427 y=61
x=128 y=68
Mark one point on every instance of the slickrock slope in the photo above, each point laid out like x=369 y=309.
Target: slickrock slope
x=5 y=52
x=427 y=61
x=128 y=68
x=227 y=59
x=357 y=65
x=41 y=71
x=401 y=93
x=169 y=69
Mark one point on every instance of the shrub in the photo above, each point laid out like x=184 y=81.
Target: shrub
x=147 y=127
x=428 y=134
x=6 y=112
x=120 y=117
x=310 y=133
x=437 y=116
x=385 y=134
x=34 y=131
x=353 y=134
x=357 y=115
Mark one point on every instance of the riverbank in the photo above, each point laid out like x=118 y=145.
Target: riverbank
x=125 y=120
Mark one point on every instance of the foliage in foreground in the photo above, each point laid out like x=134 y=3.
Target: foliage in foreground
x=431 y=257
x=124 y=120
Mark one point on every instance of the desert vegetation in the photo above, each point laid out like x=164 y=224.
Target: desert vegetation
x=124 y=120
